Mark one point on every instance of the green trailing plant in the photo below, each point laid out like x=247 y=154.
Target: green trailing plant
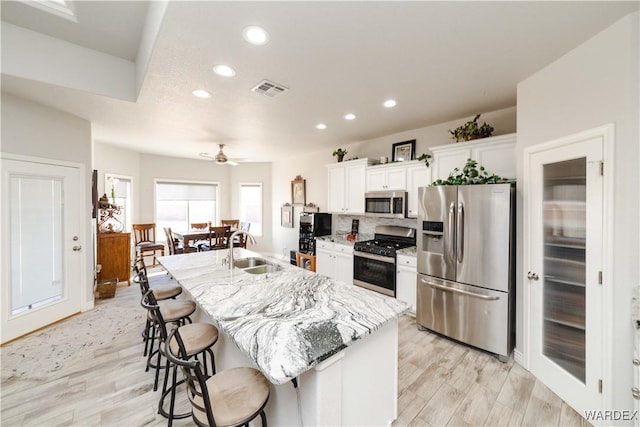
x=471 y=130
x=471 y=174
x=426 y=158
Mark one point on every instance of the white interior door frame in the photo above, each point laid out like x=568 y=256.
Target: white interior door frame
x=83 y=238
x=607 y=133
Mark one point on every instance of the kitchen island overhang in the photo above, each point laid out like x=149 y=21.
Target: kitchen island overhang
x=338 y=340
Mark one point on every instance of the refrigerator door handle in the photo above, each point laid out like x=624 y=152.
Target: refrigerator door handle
x=450 y=231
x=459 y=291
x=460 y=236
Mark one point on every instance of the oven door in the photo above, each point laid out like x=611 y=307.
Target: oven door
x=375 y=272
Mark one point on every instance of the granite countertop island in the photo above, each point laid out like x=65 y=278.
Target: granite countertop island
x=287 y=321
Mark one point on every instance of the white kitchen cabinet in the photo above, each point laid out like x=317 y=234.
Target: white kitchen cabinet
x=564 y=267
x=387 y=177
x=496 y=154
x=418 y=175
x=406 y=281
x=334 y=260
x=346 y=186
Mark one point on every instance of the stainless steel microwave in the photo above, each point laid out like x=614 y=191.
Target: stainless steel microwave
x=386 y=204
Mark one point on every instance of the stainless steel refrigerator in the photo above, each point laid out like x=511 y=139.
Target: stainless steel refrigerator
x=466 y=264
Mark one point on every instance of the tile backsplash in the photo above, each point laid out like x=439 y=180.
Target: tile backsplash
x=342 y=223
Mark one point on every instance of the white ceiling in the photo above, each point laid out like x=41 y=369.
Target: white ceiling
x=440 y=60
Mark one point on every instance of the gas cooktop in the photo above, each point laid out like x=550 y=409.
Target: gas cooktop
x=382 y=247
x=388 y=239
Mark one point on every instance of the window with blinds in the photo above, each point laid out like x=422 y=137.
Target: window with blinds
x=251 y=206
x=179 y=204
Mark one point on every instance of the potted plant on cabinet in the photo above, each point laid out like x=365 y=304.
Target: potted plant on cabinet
x=339 y=153
x=470 y=130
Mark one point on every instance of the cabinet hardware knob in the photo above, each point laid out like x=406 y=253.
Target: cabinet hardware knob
x=77 y=248
x=532 y=276
x=636 y=362
x=635 y=392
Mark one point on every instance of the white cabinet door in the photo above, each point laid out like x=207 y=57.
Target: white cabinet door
x=564 y=243
x=444 y=163
x=355 y=188
x=344 y=268
x=397 y=178
x=406 y=281
x=376 y=180
x=417 y=176
x=324 y=262
x=336 y=189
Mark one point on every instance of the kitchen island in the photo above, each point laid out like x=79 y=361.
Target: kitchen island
x=337 y=340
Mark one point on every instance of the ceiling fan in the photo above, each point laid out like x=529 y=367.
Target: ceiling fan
x=219 y=158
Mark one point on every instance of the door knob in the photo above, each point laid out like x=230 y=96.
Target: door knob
x=532 y=276
x=77 y=248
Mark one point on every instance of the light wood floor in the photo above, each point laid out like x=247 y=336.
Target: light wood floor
x=440 y=383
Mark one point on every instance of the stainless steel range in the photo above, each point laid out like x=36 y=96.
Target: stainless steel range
x=374 y=261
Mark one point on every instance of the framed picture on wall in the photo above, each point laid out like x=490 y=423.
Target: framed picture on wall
x=298 y=196
x=403 y=151
x=286 y=216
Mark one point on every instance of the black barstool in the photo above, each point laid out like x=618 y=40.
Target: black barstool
x=163 y=289
x=197 y=340
x=233 y=397
x=173 y=311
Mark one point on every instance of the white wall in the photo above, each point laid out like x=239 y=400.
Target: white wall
x=596 y=84
x=32 y=129
x=312 y=166
x=118 y=161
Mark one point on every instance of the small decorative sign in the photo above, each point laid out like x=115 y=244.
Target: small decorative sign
x=286 y=215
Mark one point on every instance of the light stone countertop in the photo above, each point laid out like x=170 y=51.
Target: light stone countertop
x=410 y=251
x=286 y=322
x=341 y=238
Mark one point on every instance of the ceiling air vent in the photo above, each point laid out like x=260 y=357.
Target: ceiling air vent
x=270 y=89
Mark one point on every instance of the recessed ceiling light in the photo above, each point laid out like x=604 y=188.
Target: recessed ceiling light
x=224 y=70
x=350 y=116
x=390 y=103
x=201 y=93
x=255 y=35
x=321 y=126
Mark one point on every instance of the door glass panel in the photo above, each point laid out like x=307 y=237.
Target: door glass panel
x=564 y=265
x=36 y=229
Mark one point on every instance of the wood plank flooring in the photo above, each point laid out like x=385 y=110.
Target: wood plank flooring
x=441 y=383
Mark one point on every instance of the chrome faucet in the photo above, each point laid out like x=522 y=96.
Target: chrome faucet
x=233 y=235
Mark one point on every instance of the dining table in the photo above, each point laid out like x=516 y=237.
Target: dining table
x=196 y=234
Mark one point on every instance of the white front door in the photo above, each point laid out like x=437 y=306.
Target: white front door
x=42 y=246
x=565 y=209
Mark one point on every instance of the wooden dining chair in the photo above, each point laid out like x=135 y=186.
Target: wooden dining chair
x=306 y=261
x=199 y=225
x=233 y=223
x=244 y=226
x=145 y=240
x=217 y=239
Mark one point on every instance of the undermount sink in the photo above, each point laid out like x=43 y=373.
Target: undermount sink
x=254 y=265
x=249 y=262
x=263 y=269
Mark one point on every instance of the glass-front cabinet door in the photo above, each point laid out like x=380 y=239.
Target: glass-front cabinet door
x=565 y=262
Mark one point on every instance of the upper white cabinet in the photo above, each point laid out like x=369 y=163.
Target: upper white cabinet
x=418 y=175
x=347 y=185
x=496 y=154
x=387 y=177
